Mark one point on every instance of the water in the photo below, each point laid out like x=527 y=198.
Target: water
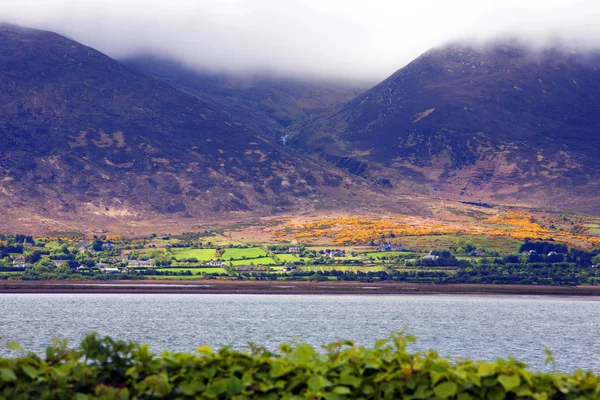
x=477 y=327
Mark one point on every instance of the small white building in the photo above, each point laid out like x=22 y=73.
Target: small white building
x=110 y=270
x=335 y=253
x=430 y=256
x=216 y=263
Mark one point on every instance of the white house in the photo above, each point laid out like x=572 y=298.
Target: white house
x=110 y=270
x=335 y=253
x=216 y=263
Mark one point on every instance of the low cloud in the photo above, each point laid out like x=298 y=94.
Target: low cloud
x=343 y=39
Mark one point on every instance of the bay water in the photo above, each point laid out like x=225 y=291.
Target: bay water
x=476 y=327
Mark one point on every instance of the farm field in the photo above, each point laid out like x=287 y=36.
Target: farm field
x=176 y=277
x=211 y=270
x=290 y=257
x=379 y=254
x=254 y=261
x=199 y=254
x=240 y=253
x=500 y=244
x=317 y=268
x=594 y=229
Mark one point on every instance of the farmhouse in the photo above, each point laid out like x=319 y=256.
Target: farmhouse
x=110 y=270
x=22 y=265
x=140 y=263
x=335 y=253
x=108 y=246
x=58 y=263
x=430 y=256
x=294 y=250
x=216 y=263
x=391 y=247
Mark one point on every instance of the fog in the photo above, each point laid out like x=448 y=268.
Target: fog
x=334 y=39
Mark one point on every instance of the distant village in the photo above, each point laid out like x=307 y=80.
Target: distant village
x=23 y=257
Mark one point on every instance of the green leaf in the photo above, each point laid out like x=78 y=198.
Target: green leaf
x=436 y=377
x=285 y=348
x=317 y=382
x=410 y=338
x=7 y=375
x=509 y=382
x=30 y=371
x=346 y=378
x=234 y=386
x=204 y=350
x=341 y=390
x=14 y=346
x=304 y=353
x=486 y=369
x=445 y=389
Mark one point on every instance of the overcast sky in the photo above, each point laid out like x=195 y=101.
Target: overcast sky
x=362 y=39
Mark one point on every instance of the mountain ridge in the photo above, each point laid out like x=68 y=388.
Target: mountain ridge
x=82 y=133
x=469 y=123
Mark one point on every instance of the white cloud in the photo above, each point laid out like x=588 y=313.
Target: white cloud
x=327 y=38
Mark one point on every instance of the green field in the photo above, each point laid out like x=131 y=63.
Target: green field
x=379 y=254
x=500 y=244
x=199 y=254
x=195 y=270
x=237 y=254
x=52 y=244
x=594 y=229
x=290 y=257
x=342 y=268
x=255 y=261
x=276 y=268
x=177 y=278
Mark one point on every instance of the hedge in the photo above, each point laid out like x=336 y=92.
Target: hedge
x=107 y=369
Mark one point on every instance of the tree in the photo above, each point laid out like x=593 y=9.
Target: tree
x=33 y=257
x=64 y=269
x=96 y=245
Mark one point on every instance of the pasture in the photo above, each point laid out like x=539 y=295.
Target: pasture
x=290 y=258
x=241 y=253
x=388 y=254
x=255 y=261
x=342 y=268
x=199 y=254
x=211 y=270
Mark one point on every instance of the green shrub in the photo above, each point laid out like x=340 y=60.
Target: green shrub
x=107 y=369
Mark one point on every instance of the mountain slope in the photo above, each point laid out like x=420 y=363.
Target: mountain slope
x=501 y=123
x=82 y=134
x=266 y=103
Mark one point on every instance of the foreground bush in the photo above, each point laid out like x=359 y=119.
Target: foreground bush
x=103 y=368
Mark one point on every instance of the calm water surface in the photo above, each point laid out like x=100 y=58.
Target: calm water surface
x=468 y=326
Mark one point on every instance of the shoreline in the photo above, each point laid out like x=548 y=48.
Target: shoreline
x=284 y=287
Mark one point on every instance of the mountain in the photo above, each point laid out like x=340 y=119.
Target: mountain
x=499 y=123
x=86 y=138
x=266 y=103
